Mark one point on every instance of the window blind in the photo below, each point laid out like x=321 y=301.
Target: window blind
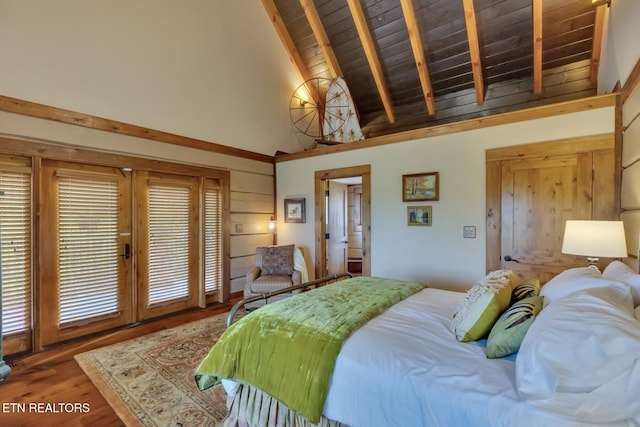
x=168 y=243
x=88 y=248
x=15 y=244
x=213 y=239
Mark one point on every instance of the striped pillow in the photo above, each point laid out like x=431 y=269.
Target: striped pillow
x=526 y=289
x=509 y=331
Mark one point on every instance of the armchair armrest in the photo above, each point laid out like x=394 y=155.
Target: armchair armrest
x=296 y=277
x=251 y=275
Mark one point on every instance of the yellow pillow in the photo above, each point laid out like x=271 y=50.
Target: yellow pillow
x=482 y=306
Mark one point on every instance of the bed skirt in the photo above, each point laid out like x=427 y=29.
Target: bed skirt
x=251 y=407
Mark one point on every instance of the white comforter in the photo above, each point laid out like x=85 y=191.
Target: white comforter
x=405 y=368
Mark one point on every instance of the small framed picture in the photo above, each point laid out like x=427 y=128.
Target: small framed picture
x=294 y=210
x=419 y=215
x=421 y=187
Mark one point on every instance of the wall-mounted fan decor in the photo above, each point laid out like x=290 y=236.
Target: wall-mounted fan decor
x=322 y=108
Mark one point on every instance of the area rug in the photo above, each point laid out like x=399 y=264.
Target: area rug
x=149 y=381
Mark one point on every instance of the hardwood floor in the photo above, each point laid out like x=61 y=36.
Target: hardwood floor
x=49 y=388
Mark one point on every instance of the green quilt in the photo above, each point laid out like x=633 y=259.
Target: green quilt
x=289 y=348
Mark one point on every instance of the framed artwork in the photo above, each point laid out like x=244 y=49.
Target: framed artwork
x=419 y=215
x=294 y=210
x=421 y=187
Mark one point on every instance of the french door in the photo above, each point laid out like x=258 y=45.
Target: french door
x=85 y=267
x=168 y=224
x=117 y=246
x=16 y=240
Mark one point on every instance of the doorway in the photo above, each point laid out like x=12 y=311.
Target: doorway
x=333 y=222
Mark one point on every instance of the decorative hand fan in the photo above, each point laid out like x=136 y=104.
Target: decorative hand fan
x=315 y=112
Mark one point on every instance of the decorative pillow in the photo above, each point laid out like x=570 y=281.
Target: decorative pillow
x=277 y=260
x=580 y=358
x=620 y=272
x=511 y=327
x=526 y=289
x=571 y=280
x=482 y=306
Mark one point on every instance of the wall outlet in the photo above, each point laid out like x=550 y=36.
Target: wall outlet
x=469 y=231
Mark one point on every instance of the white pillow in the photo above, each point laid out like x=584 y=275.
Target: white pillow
x=620 y=272
x=581 y=357
x=569 y=281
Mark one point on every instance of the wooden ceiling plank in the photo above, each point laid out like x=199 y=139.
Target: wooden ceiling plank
x=321 y=36
x=474 y=49
x=596 y=48
x=372 y=56
x=537 y=46
x=285 y=38
x=418 y=54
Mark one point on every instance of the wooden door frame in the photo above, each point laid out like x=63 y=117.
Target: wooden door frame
x=494 y=159
x=363 y=171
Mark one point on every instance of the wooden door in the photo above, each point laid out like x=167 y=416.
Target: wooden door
x=85 y=233
x=533 y=191
x=167 y=218
x=337 y=228
x=538 y=196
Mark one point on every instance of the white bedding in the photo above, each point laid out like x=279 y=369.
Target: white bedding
x=405 y=368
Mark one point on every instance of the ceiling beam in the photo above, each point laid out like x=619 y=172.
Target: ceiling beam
x=372 y=56
x=598 y=29
x=537 y=46
x=285 y=38
x=321 y=36
x=418 y=54
x=474 y=49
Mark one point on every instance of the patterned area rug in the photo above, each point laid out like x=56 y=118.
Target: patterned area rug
x=149 y=381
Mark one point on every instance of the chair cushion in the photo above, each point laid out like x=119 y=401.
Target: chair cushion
x=277 y=260
x=271 y=283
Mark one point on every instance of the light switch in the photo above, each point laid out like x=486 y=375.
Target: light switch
x=469 y=231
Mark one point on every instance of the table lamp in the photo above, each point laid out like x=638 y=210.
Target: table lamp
x=594 y=239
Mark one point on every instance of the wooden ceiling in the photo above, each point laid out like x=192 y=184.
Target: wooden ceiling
x=417 y=63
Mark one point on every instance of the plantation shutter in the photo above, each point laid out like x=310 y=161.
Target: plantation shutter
x=168 y=243
x=88 y=247
x=15 y=244
x=213 y=237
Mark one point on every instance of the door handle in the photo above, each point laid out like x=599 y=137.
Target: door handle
x=508 y=258
x=127 y=251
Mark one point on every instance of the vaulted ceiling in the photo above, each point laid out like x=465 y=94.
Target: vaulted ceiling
x=417 y=63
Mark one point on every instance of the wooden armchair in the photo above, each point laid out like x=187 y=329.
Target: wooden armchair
x=275 y=269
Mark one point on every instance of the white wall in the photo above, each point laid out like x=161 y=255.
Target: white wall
x=621 y=45
x=211 y=70
x=437 y=255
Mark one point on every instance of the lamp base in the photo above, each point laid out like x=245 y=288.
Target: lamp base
x=593 y=262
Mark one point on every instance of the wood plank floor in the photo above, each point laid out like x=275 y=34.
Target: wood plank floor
x=47 y=383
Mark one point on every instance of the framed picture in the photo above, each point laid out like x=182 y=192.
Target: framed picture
x=294 y=210
x=421 y=187
x=419 y=215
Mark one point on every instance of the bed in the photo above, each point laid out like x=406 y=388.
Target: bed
x=576 y=365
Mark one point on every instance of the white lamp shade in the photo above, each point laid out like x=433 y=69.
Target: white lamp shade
x=595 y=239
